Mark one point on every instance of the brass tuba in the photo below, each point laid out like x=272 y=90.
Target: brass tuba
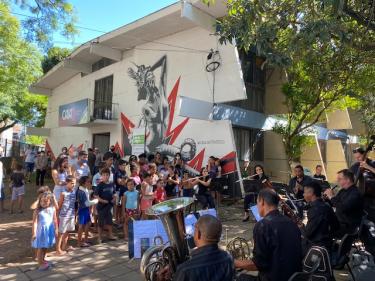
x=171 y=214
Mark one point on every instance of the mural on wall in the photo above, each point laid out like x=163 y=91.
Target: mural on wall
x=155 y=112
x=194 y=139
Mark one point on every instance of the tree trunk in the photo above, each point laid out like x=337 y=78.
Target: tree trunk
x=7 y=126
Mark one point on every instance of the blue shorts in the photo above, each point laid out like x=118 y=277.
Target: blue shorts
x=29 y=167
x=84 y=216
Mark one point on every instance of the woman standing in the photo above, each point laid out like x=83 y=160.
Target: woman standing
x=59 y=173
x=204 y=196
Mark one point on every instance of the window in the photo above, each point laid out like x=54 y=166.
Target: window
x=254 y=78
x=103 y=98
x=249 y=144
x=103 y=62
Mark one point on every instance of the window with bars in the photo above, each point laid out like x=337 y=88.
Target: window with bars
x=103 y=98
x=103 y=62
x=254 y=78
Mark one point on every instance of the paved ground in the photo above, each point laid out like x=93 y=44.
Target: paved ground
x=110 y=261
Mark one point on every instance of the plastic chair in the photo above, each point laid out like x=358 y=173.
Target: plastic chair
x=306 y=276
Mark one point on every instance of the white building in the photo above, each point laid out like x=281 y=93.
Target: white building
x=154 y=73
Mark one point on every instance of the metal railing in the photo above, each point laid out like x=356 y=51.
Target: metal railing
x=100 y=110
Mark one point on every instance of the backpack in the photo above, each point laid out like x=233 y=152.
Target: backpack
x=362 y=265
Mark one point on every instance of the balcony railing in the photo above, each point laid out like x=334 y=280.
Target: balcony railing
x=100 y=110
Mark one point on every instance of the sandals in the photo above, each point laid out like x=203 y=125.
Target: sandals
x=85 y=245
x=43 y=267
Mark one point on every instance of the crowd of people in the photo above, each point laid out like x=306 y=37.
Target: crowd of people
x=101 y=190
x=93 y=189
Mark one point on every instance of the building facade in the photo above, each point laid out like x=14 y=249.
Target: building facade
x=163 y=73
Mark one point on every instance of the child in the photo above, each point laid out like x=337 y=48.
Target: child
x=95 y=181
x=66 y=215
x=120 y=177
x=40 y=191
x=172 y=181
x=152 y=169
x=17 y=183
x=44 y=229
x=84 y=203
x=105 y=193
x=160 y=195
x=134 y=174
x=187 y=187
x=130 y=205
x=147 y=195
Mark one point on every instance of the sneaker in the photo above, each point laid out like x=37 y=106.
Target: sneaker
x=113 y=238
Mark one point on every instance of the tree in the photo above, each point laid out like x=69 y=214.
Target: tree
x=19 y=68
x=53 y=57
x=366 y=100
x=48 y=17
x=319 y=45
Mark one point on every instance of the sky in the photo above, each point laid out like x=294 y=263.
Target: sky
x=104 y=15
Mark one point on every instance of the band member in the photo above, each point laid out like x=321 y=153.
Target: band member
x=322 y=221
x=204 y=196
x=366 y=180
x=277 y=252
x=259 y=176
x=300 y=180
x=318 y=173
x=348 y=203
x=208 y=261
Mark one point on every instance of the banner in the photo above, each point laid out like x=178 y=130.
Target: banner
x=74 y=113
x=138 y=141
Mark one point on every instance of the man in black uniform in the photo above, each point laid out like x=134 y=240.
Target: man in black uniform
x=318 y=173
x=277 y=252
x=366 y=180
x=322 y=221
x=300 y=180
x=208 y=262
x=348 y=203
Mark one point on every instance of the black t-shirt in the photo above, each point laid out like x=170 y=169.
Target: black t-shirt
x=277 y=249
x=170 y=188
x=105 y=191
x=349 y=208
x=18 y=179
x=321 y=177
x=306 y=180
x=119 y=174
x=321 y=225
x=202 y=190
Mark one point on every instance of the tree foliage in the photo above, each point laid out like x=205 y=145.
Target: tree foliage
x=320 y=45
x=53 y=57
x=19 y=68
x=48 y=17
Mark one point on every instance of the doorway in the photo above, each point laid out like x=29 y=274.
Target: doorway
x=101 y=141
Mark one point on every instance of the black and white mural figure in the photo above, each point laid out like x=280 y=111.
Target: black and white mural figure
x=155 y=112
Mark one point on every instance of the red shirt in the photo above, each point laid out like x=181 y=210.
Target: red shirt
x=160 y=194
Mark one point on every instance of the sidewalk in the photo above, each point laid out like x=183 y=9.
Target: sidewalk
x=108 y=261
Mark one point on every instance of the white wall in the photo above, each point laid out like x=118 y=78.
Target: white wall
x=188 y=64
